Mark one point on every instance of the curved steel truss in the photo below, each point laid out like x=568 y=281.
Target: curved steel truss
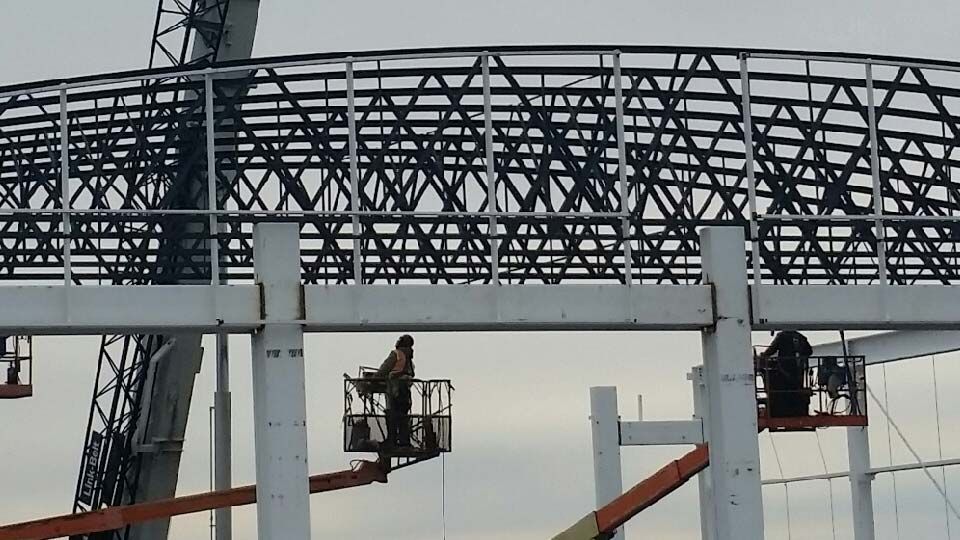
x=386 y=160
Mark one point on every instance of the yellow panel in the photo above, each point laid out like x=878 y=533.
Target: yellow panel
x=585 y=529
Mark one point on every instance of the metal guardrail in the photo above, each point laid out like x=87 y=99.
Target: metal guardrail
x=817 y=386
x=429 y=421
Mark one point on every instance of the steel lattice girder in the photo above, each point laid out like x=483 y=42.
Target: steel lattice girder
x=420 y=148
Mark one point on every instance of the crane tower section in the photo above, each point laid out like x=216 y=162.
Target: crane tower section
x=132 y=447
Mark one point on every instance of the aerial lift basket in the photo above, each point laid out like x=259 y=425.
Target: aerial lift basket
x=803 y=394
x=365 y=417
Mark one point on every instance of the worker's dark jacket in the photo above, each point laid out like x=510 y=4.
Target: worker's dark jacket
x=792 y=350
x=398 y=369
x=789 y=353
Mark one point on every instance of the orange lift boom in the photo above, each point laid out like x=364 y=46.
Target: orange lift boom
x=117 y=517
x=603 y=522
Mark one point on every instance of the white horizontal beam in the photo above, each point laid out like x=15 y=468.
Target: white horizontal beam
x=100 y=309
x=93 y=309
x=864 y=307
x=794 y=479
x=96 y=309
x=661 y=433
x=507 y=307
x=873 y=471
x=894 y=346
x=916 y=466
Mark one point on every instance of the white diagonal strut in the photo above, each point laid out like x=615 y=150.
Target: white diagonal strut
x=893 y=346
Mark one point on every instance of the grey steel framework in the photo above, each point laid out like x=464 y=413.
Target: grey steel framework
x=499 y=165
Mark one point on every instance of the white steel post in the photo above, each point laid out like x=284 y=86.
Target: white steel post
x=877 y=192
x=605 y=429
x=223 y=437
x=354 y=174
x=279 y=396
x=861 y=488
x=751 y=178
x=622 y=168
x=731 y=388
x=702 y=413
x=491 y=171
x=212 y=181
x=861 y=479
x=65 y=185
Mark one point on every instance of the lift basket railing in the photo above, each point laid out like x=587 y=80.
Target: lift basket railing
x=365 y=415
x=791 y=387
x=16 y=367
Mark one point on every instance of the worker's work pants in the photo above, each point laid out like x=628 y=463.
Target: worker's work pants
x=787 y=397
x=398 y=421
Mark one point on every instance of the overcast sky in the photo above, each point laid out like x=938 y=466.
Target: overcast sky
x=521 y=466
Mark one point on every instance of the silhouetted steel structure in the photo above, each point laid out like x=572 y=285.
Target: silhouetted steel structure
x=564 y=180
x=469 y=165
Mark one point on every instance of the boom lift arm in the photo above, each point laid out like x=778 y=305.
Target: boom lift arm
x=605 y=521
x=117 y=517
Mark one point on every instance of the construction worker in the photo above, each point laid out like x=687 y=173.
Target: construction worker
x=398 y=370
x=784 y=365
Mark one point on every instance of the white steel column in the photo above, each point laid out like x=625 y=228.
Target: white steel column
x=861 y=489
x=877 y=191
x=65 y=185
x=734 y=447
x=223 y=475
x=279 y=396
x=605 y=428
x=622 y=169
x=702 y=413
x=861 y=477
x=354 y=174
x=491 y=164
x=223 y=437
x=751 y=177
